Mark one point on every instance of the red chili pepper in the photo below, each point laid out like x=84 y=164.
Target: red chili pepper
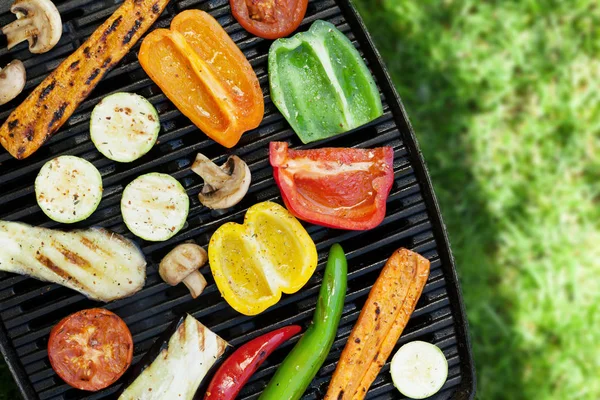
x=231 y=377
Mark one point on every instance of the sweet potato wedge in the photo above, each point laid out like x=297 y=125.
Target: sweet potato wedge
x=51 y=104
x=385 y=314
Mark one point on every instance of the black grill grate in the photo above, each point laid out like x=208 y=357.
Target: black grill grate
x=29 y=308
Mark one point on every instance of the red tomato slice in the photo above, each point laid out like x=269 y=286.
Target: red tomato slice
x=269 y=19
x=90 y=349
x=334 y=187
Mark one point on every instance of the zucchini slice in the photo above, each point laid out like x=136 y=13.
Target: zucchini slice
x=124 y=126
x=419 y=369
x=68 y=189
x=155 y=206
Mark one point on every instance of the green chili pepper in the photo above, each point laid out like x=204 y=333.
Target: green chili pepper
x=300 y=366
x=321 y=84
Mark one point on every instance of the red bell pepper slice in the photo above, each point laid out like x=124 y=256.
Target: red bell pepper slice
x=233 y=374
x=342 y=188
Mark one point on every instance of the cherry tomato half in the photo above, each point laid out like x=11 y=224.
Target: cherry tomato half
x=269 y=19
x=90 y=349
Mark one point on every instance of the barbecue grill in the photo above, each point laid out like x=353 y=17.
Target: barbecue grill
x=29 y=308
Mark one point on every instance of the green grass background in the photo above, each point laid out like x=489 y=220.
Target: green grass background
x=505 y=99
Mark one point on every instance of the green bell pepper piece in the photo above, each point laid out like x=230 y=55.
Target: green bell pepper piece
x=299 y=368
x=321 y=84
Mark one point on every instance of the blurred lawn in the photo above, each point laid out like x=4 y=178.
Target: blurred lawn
x=505 y=99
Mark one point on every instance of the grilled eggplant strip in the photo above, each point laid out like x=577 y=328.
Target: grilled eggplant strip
x=100 y=264
x=51 y=104
x=179 y=369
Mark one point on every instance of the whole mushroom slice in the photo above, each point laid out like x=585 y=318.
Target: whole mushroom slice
x=38 y=22
x=224 y=186
x=12 y=81
x=182 y=265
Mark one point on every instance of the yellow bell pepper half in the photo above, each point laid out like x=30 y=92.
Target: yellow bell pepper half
x=255 y=262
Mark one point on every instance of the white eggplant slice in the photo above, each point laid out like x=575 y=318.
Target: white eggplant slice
x=155 y=206
x=178 y=370
x=124 y=126
x=68 y=189
x=101 y=264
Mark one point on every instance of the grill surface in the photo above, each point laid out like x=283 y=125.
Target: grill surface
x=29 y=308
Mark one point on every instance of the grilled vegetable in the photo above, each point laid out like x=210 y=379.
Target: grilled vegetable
x=243 y=363
x=155 y=206
x=321 y=84
x=255 y=262
x=224 y=186
x=68 y=189
x=38 y=22
x=179 y=369
x=390 y=303
x=90 y=349
x=49 y=106
x=182 y=265
x=12 y=81
x=124 y=126
x=269 y=19
x=419 y=369
x=337 y=188
x=100 y=264
x=302 y=364
x=202 y=71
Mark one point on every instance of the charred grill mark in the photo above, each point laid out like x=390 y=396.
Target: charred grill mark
x=20 y=151
x=106 y=62
x=89 y=244
x=75 y=258
x=202 y=335
x=93 y=76
x=341 y=395
x=46 y=91
x=58 y=114
x=105 y=251
x=13 y=124
x=155 y=8
x=74 y=65
x=86 y=51
x=181 y=332
x=29 y=134
x=113 y=27
x=48 y=263
x=133 y=31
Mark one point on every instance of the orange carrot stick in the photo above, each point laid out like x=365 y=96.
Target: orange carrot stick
x=385 y=314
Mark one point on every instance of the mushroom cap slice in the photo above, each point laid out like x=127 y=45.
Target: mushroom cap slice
x=38 y=22
x=224 y=186
x=181 y=262
x=12 y=81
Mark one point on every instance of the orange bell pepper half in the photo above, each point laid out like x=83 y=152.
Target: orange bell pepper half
x=202 y=71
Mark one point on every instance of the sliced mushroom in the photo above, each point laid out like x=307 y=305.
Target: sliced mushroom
x=182 y=265
x=224 y=186
x=12 y=81
x=38 y=22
